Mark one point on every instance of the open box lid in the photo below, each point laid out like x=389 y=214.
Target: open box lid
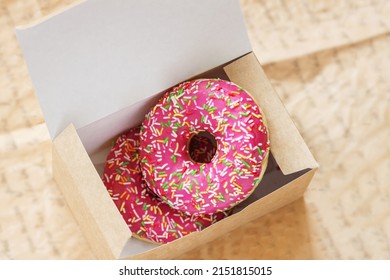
x=100 y=56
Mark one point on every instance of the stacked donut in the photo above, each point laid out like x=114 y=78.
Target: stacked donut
x=200 y=151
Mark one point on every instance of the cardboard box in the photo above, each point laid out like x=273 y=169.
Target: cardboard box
x=99 y=66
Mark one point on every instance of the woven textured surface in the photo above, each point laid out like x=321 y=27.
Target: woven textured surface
x=329 y=62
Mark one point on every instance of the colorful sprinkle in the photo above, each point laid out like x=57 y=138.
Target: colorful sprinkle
x=232 y=117
x=146 y=214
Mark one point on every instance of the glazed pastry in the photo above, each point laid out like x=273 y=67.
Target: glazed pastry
x=146 y=215
x=204 y=146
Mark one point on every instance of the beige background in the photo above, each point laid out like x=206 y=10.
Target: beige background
x=329 y=61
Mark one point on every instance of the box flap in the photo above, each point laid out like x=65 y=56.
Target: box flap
x=87 y=196
x=101 y=56
x=287 y=145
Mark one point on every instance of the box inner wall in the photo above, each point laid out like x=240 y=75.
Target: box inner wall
x=273 y=177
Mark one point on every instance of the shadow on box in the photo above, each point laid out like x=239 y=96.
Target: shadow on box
x=280 y=235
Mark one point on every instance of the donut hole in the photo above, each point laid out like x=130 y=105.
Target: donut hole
x=202 y=147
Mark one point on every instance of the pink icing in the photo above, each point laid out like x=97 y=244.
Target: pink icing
x=145 y=214
x=225 y=111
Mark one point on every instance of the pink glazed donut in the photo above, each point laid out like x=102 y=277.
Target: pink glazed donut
x=204 y=146
x=145 y=214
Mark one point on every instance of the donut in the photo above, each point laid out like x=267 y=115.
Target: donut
x=145 y=214
x=204 y=146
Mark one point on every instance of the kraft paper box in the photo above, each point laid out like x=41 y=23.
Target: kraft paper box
x=99 y=66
